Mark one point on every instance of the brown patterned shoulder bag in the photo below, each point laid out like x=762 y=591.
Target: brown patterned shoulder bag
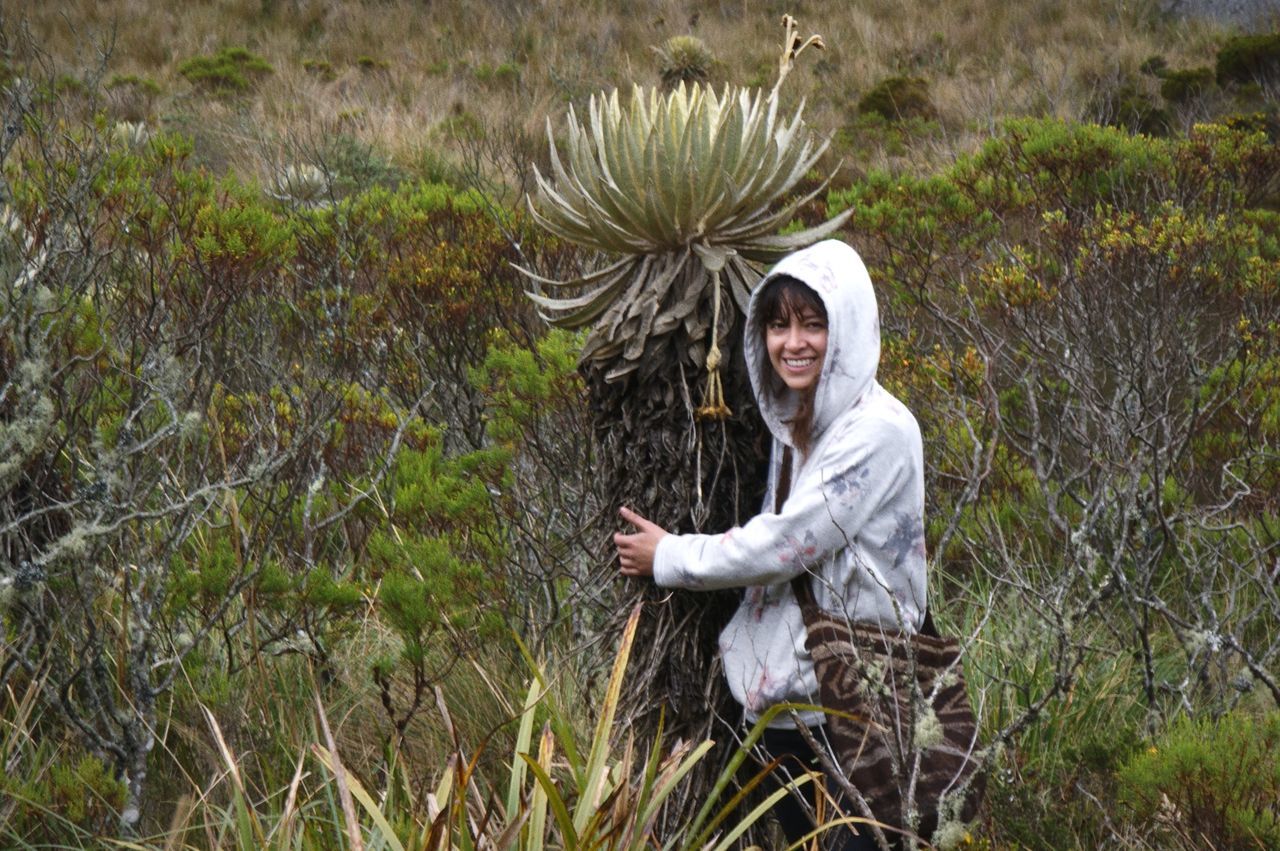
x=903 y=730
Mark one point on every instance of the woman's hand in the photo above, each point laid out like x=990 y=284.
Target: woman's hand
x=635 y=551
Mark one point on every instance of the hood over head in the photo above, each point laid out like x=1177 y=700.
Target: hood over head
x=835 y=272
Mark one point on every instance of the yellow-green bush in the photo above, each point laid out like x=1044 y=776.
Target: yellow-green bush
x=1084 y=323
x=1215 y=779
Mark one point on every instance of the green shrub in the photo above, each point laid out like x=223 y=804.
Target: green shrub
x=1247 y=59
x=69 y=84
x=1249 y=417
x=505 y=74
x=321 y=68
x=1154 y=66
x=356 y=165
x=1077 y=744
x=897 y=98
x=1254 y=122
x=230 y=70
x=526 y=384
x=895 y=137
x=1183 y=86
x=1047 y=232
x=145 y=85
x=73 y=797
x=370 y=64
x=1205 y=778
x=1130 y=106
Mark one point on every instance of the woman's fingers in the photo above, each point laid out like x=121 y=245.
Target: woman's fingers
x=635 y=519
x=628 y=547
x=635 y=550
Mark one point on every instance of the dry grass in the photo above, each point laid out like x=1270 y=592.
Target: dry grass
x=399 y=74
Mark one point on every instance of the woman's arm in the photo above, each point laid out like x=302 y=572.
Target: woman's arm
x=835 y=497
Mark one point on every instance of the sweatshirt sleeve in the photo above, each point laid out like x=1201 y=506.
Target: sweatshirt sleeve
x=834 y=496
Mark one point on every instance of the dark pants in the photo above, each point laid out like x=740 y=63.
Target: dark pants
x=797 y=757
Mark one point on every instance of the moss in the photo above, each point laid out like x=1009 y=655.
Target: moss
x=896 y=98
x=1247 y=59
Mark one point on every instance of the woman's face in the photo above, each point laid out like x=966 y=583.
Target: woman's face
x=797 y=344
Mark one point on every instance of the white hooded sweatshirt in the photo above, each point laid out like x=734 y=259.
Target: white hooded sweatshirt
x=854 y=519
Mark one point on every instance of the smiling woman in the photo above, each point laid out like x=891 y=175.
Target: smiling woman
x=795 y=332
x=844 y=508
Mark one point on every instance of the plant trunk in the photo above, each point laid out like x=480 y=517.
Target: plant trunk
x=687 y=475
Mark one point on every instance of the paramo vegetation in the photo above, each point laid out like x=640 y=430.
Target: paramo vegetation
x=301 y=531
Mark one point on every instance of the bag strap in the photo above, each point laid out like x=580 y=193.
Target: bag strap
x=800 y=587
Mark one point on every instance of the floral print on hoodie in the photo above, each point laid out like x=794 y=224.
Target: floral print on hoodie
x=854 y=520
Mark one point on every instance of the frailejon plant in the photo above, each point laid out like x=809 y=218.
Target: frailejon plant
x=684 y=59
x=686 y=188
x=688 y=194
x=302 y=183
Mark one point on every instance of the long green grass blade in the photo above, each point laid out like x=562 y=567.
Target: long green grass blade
x=670 y=780
x=726 y=842
x=539 y=800
x=524 y=738
x=556 y=802
x=593 y=788
x=366 y=801
x=698 y=827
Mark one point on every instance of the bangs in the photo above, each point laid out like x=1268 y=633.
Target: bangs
x=785 y=297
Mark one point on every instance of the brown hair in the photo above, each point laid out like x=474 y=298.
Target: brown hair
x=782 y=298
